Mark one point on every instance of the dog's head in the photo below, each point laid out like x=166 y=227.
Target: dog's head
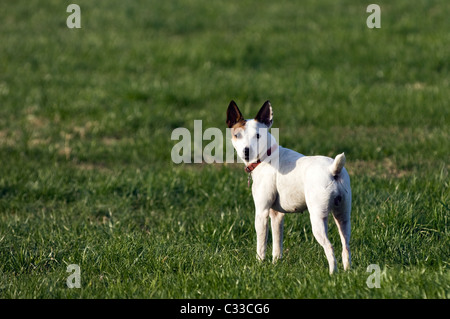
x=251 y=138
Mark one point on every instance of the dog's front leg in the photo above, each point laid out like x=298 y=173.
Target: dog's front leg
x=277 y=222
x=261 y=227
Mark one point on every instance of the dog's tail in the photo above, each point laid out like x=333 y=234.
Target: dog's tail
x=337 y=165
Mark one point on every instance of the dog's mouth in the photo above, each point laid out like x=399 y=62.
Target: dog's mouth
x=249 y=156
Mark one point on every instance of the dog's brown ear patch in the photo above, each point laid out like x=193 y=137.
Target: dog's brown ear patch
x=239 y=125
x=265 y=114
x=234 y=115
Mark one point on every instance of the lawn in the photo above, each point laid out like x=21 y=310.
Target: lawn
x=86 y=117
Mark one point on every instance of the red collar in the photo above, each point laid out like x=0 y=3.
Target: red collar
x=252 y=166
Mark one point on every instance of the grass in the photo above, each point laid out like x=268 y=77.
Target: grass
x=85 y=123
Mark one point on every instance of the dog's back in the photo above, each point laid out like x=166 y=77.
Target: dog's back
x=320 y=174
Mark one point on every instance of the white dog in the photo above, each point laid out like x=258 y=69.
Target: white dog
x=285 y=181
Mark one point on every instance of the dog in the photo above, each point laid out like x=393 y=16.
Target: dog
x=285 y=181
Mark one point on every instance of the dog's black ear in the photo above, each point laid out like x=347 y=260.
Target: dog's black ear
x=265 y=114
x=234 y=115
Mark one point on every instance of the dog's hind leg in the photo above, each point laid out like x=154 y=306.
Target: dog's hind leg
x=341 y=214
x=277 y=222
x=344 y=233
x=320 y=228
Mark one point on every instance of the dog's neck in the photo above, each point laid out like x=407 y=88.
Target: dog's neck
x=251 y=166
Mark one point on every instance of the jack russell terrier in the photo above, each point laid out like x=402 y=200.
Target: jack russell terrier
x=285 y=181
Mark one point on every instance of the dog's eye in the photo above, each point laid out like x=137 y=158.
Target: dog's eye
x=238 y=135
x=258 y=136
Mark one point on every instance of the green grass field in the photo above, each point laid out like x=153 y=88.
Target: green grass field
x=86 y=117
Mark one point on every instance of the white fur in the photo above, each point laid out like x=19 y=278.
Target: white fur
x=289 y=182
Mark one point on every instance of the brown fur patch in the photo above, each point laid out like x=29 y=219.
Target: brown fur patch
x=237 y=127
x=240 y=124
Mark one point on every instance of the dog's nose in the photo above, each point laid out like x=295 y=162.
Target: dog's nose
x=247 y=153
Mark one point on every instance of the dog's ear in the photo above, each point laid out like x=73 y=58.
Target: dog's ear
x=265 y=114
x=234 y=115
